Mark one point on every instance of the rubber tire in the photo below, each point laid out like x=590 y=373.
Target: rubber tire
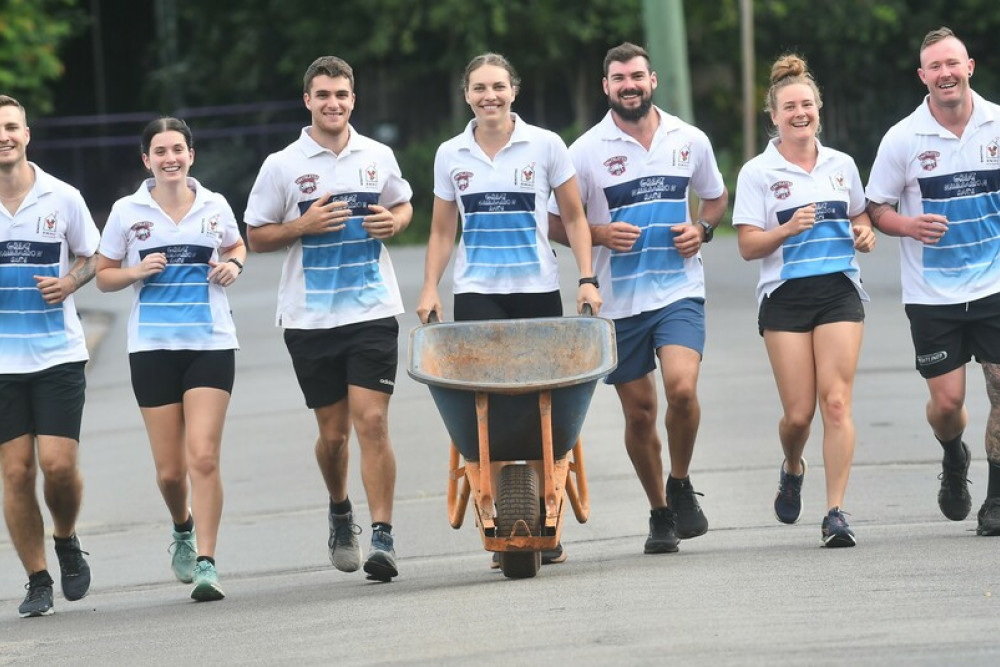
x=517 y=492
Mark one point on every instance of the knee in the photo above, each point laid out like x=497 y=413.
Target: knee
x=58 y=469
x=372 y=426
x=682 y=396
x=836 y=409
x=204 y=465
x=947 y=404
x=640 y=417
x=798 y=419
x=169 y=476
x=19 y=476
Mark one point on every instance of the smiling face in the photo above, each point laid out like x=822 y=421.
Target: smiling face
x=14 y=137
x=629 y=86
x=169 y=158
x=945 y=68
x=796 y=115
x=331 y=101
x=489 y=93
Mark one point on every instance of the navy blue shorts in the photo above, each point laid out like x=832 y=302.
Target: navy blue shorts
x=640 y=336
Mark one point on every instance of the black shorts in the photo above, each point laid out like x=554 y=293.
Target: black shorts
x=947 y=337
x=802 y=304
x=160 y=377
x=48 y=402
x=472 y=306
x=327 y=360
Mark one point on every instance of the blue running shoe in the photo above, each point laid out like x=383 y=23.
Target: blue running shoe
x=381 y=562
x=836 y=532
x=184 y=548
x=206 y=583
x=788 y=502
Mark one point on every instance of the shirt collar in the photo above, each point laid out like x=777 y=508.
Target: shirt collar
x=773 y=155
x=927 y=124
x=311 y=149
x=519 y=135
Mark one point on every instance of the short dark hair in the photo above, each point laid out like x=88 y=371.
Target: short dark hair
x=330 y=66
x=623 y=53
x=496 y=60
x=166 y=124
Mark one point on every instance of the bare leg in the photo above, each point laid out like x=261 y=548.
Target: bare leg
x=370 y=414
x=638 y=398
x=57 y=457
x=20 y=505
x=793 y=365
x=204 y=418
x=332 y=451
x=680 y=366
x=165 y=428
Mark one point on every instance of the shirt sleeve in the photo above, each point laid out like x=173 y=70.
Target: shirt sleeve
x=266 y=204
x=113 y=242
x=888 y=176
x=750 y=207
x=81 y=232
x=444 y=188
x=396 y=190
x=707 y=180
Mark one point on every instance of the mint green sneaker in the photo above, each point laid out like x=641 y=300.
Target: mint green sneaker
x=185 y=553
x=206 y=583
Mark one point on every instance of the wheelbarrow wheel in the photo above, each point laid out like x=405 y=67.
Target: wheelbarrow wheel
x=517 y=510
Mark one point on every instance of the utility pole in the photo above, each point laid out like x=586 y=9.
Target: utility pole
x=749 y=99
x=666 y=42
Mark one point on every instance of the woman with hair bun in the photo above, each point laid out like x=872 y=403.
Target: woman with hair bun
x=800 y=209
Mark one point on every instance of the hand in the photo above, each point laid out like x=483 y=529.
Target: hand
x=151 y=264
x=223 y=273
x=324 y=216
x=620 y=236
x=927 y=228
x=55 y=290
x=588 y=294
x=802 y=220
x=864 y=238
x=381 y=224
x=687 y=239
x=429 y=302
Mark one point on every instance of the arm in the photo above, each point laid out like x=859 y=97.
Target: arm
x=620 y=236
x=111 y=276
x=444 y=225
x=56 y=290
x=224 y=272
x=927 y=227
x=757 y=242
x=864 y=235
x=578 y=234
x=324 y=215
x=688 y=238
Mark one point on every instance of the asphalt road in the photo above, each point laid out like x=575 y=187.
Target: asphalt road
x=917 y=590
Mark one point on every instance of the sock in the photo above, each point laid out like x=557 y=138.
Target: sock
x=208 y=558
x=953 y=451
x=63 y=542
x=993 y=490
x=185 y=527
x=678 y=482
x=343 y=507
x=381 y=525
x=660 y=512
x=40 y=578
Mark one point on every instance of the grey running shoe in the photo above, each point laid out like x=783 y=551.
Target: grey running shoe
x=381 y=562
x=74 y=569
x=38 y=601
x=206 y=583
x=788 y=502
x=691 y=521
x=989 y=518
x=953 y=498
x=662 y=531
x=185 y=552
x=836 y=532
x=345 y=551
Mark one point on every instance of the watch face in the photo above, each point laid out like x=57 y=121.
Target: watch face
x=709 y=230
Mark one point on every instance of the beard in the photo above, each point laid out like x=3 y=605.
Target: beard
x=632 y=114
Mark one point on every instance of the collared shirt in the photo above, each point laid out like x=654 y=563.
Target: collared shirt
x=177 y=309
x=52 y=222
x=342 y=277
x=503 y=206
x=621 y=181
x=769 y=191
x=927 y=169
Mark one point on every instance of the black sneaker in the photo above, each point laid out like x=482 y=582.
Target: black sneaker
x=953 y=498
x=381 y=562
x=691 y=521
x=74 y=568
x=38 y=601
x=552 y=556
x=989 y=518
x=662 y=531
x=836 y=532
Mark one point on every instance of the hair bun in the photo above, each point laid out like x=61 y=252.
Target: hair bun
x=787 y=66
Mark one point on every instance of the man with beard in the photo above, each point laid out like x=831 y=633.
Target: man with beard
x=635 y=169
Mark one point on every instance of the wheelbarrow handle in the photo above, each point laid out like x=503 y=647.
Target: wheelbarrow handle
x=587 y=310
x=432 y=317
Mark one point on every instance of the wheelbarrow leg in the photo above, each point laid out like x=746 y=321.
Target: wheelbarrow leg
x=484 y=501
x=458 y=502
x=579 y=497
x=548 y=457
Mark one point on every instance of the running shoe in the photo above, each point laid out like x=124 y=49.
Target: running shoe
x=989 y=518
x=184 y=548
x=552 y=556
x=662 y=531
x=381 y=562
x=206 y=583
x=836 y=532
x=691 y=521
x=74 y=569
x=953 y=498
x=788 y=502
x=345 y=551
x=38 y=601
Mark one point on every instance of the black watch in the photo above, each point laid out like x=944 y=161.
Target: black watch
x=238 y=263
x=709 y=230
x=592 y=280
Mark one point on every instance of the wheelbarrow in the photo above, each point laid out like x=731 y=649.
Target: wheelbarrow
x=515 y=392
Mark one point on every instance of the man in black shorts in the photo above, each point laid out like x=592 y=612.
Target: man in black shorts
x=338 y=299
x=42 y=358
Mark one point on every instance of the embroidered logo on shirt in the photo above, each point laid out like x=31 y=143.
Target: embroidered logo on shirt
x=462 y=179
x=928 y=160
x=48 y=226
x=211 y=226
x=782 y=189
x=307 y=183
x=990 y=153
x=616 y=165
x=142 y=229
x=682 y=156
x=369 y=176
x=838 y=182
x=526 y=176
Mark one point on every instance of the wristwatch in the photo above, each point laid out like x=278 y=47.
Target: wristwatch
x=238 y=263
x=709 y=229
x=590 y=280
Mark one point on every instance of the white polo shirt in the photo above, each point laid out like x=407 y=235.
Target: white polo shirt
x=341 y=277
x=769 y=191
x=924 y=168
x=503 y=206
x=621 y=181
x=177 y=309
x=52 y=221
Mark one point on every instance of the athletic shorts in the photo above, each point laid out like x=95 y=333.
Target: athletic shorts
x=160 y=377
x=802 y=304
x=326 y=361
x=949 y=336
x=47 y=402
x=640 y=336
x=471 y=306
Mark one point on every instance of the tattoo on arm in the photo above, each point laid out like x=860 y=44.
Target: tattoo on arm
x=876 y=211
x=992 y=373
x=84 y=271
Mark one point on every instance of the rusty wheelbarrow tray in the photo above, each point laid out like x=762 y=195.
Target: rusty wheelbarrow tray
x=515 y=391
